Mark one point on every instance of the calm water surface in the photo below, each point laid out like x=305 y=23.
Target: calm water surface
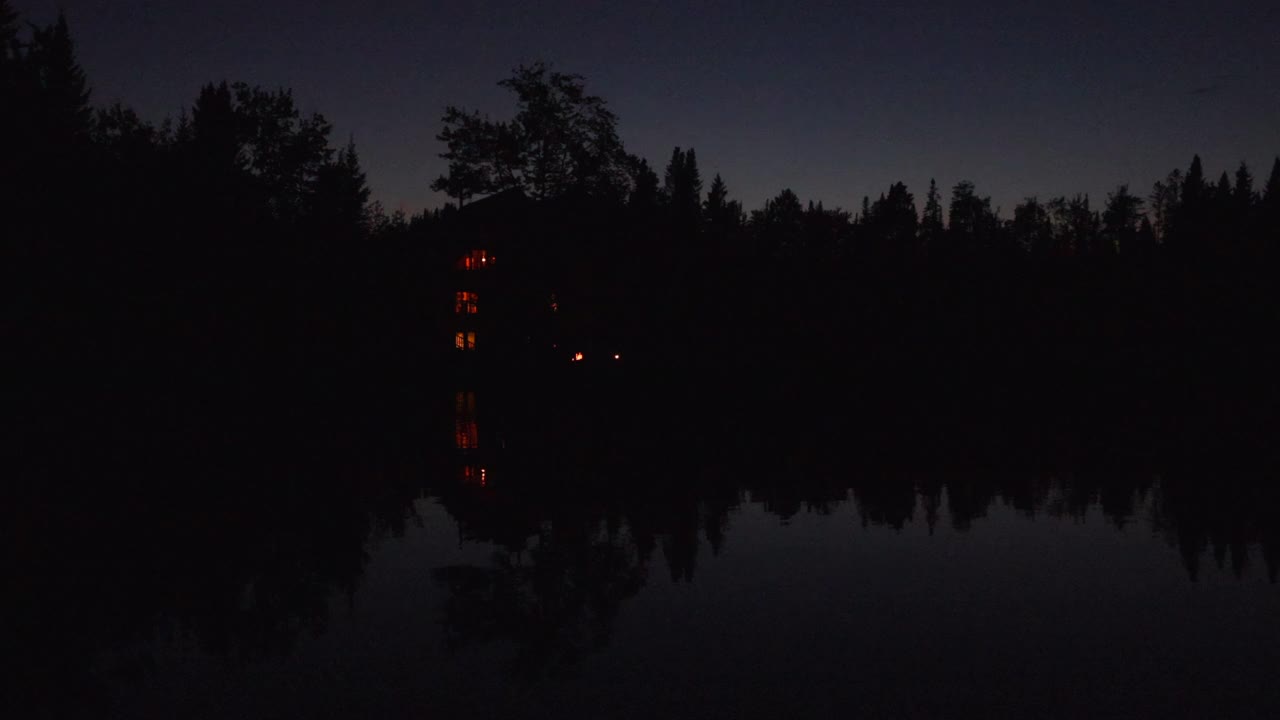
x=991 y=596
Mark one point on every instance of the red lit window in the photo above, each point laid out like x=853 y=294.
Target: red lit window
x=476 y=260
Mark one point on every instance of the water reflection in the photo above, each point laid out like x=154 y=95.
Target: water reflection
x=555 y=541
x=466 y=431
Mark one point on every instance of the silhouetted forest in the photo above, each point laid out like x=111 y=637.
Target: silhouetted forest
x=222 y=278
x=234 y=374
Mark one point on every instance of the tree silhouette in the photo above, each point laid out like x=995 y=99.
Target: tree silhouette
x=1165 y=198
x=283 y=150
x=893 y=221
x=682 y=190
x=561 y=140
x=779 y=225
x=970 y=221
x=644 y=186
x=61 y=84
x=931 y=229
x=1076 y=225
x=215 y=134
x=824 y=231
x=1032 y=228
x=1190 y=223
x=723 y=216
x=338 y=199
x=1270 y=207
x=1120 y=221
x=1242 y=194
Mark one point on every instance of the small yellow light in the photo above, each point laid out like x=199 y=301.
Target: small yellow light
x=577 y=357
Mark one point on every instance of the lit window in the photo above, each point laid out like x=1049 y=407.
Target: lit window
x=464 y=340
x=465 y=303
x=475 y=260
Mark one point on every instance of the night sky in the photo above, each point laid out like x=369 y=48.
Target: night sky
x=833 y=100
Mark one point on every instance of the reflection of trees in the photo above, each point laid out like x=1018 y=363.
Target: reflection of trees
x=570 y=556
x=554 y=599
x=1224 y=516
x=569 y=559
x=239 y=565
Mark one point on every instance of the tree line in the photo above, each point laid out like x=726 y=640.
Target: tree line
x=231 y=259
x=563 y=142
x=215 y=262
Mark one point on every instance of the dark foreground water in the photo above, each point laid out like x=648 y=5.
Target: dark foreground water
x=897 y=598
x=566 y=569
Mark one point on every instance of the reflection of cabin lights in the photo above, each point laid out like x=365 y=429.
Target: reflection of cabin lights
x=577 y=357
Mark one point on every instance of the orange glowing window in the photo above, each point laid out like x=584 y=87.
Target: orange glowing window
x=475 y=260
x=464 y=340
x=465 y=303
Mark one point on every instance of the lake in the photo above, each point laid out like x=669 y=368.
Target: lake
x=594 y=572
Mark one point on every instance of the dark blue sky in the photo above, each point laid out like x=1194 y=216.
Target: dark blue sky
x=833 y=100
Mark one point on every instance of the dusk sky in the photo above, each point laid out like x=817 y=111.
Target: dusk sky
x=833 y=100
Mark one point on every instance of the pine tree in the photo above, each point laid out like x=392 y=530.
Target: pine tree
x=1145 y=242
x=893 y=220
x=931 y=223
x=1120 y=221
x=62 y=86
x=1032 y=229
x=779 y=226
x=339 y=197
x=644 y=194
x=1222 y=194
x=716 y=197
x=1270 y=208
x=1191 y=221
x=970 y=220
x=693 y=178
x=1271 y=193
x=673 y=178
x=1243 y=191
x=682 y=189
x=1193 y=186
x=1164 y=204
x=723 y=216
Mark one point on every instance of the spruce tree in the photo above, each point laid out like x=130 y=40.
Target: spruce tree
x=1192 y=218
x=62 y=86
x=1270 y=208
x=1243 y=191
x=716 y=197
